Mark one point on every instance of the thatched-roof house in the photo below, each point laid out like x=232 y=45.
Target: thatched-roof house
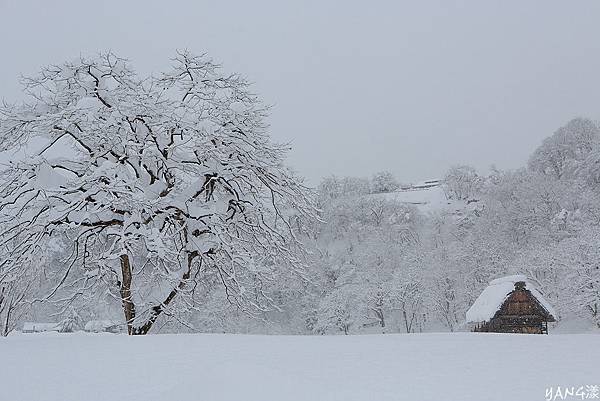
x=511 y=305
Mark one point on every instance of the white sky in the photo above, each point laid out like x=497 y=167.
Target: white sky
x=357 y=87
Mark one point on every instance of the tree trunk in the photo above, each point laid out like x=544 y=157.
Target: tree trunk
x=156 y=311
x=2 y=328
x=6 y=323
x=406 y=324
x=6 y=329
x=128 y=305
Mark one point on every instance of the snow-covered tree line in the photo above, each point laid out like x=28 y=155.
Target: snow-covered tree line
x=541 y=220
x=161 y=202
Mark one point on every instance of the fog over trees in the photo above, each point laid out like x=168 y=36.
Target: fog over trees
x=161 y=203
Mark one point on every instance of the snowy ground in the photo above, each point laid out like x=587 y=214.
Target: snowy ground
x=461 y=367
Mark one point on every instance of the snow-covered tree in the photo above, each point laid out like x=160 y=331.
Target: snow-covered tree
x=384 y=181
x=407 y=295
x=560 y=153
x=149 y=184
x=15 y=294
x=339 y=310
x=361 y=244
x=334 y=187
x=462 y=183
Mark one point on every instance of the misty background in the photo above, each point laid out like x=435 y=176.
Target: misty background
x=356 y=87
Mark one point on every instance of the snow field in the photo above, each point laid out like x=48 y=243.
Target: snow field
x=441 y=366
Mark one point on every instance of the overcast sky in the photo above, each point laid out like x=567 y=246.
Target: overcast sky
x=357 y=87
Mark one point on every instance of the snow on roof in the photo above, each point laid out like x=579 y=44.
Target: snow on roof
x=492 y=298
x=510 y=279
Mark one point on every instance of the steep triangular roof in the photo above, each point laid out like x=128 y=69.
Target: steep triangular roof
x=494 y=295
